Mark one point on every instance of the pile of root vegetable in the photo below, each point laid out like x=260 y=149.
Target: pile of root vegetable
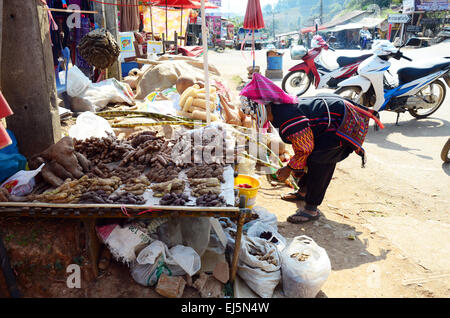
x=110 y=170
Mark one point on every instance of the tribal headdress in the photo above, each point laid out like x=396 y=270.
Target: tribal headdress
x=259 y=92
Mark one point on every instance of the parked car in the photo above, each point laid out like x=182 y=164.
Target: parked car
x=270 y=47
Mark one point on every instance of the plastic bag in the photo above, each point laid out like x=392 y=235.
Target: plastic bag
x=183 y=256
x=305 y=267
x=148 y=274
x=108 y=91
x=246 y=165
x=77 y=82
x=187 y=258
x=22 y=182
x=95 y=96
x=258 y=228
x=260 y=275
x=90 y=125
x=263 y=216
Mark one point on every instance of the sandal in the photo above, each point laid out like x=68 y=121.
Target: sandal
x=302 y=213
x=294 y=196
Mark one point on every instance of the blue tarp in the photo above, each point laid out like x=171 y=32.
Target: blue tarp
x=11 y=160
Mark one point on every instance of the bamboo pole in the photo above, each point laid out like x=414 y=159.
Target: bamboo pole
x=205 y=62
x=151 y=23
x=71 y=11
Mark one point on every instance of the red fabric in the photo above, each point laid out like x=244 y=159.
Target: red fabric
x=5 y=140
x=186 y=4
x=262 y=90
x=190 y=50
x=253 y=16
x=5 y=111
x=303 y=145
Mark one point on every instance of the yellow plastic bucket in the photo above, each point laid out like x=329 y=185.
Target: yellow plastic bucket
x=250 y=193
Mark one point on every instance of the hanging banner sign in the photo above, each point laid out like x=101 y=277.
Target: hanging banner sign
x=432 y=5
x=413 y=28
x=216 y=2
x=409 y=6
x=399 y=18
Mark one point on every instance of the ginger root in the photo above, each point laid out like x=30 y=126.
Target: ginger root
x=61 y=162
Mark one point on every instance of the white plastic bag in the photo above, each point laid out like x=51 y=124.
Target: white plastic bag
x=183 y=256
x=108 y=91
x=260 y=275
x=152 y=262
x=22 y=182
x=305 y=267
x=148 y=274
x=187 y=258
x=77 y=82
x=257 y=228
x=263 y=216
x=90 y=125
x=95 y=96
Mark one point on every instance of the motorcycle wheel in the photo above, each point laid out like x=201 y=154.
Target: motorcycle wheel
x=296 y=83
x=442 y=91
x=445 y=153
x=351 y=93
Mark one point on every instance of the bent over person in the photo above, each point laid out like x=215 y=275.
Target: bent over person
x=323 y=130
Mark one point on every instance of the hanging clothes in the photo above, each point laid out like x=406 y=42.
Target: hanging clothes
x=129 y=16
x=86 y=25
x=60 y=35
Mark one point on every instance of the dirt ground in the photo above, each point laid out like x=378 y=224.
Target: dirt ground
x=362 y=212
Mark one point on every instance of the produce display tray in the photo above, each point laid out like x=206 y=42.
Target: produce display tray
x=68 y=210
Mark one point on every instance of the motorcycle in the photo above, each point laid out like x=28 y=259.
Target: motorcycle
x=366 y=42
x=299 y=78
x=419 y=89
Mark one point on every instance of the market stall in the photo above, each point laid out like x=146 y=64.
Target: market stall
x=173 y=159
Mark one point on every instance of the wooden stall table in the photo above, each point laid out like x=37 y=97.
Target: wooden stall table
x=88 y=213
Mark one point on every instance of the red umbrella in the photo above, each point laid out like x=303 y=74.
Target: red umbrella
x=253 y=21
x=253 y=16
x=187 y=4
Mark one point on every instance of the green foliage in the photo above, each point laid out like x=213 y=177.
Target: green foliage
x=363 y=4
x=291 y=15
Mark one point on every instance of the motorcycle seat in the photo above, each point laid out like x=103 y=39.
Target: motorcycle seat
x=409 y=74
x=347 y=60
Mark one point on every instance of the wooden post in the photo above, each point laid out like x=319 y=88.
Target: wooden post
x=92 y=244
x=28 y=80
x=1 y=31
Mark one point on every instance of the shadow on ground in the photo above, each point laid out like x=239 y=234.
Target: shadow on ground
x=341 y=241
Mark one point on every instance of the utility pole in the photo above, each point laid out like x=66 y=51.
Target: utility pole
x=273 y=21
x=321 y=11
x=28 y=80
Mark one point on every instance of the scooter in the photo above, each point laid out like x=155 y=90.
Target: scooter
x=366 y=42
x=313 y=69
x=418 y=91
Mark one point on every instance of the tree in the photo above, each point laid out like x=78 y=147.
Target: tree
x=267 y=9
x=238 y=22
